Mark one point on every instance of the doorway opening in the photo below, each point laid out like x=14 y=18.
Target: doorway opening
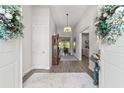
x=64 y=46
x=85 y=45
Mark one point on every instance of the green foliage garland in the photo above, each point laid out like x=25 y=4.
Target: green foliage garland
x=11 y=26
x=110 y=23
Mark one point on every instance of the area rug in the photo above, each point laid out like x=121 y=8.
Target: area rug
x=59 y=80
x=68 y=58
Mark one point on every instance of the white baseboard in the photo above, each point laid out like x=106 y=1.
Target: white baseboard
x=47 y=68
x=28 y=70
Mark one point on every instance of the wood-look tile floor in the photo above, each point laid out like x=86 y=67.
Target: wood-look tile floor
x=63 y=67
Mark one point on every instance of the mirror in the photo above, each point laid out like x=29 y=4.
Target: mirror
x=74 y=45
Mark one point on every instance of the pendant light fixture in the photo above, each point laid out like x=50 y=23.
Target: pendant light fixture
x=67 y=28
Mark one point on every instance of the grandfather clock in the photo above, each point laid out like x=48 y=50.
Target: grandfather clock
x=55 y=50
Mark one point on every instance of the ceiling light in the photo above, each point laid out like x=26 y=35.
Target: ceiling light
x=67 y=28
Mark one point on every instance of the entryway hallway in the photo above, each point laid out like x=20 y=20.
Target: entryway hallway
x=37 y=60
x=56 y=59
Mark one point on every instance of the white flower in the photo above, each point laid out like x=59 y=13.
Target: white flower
x=17 y=17
x=2 y=11
x=8 y=11
x=123 y=19
x=105 y=15
x=8 y=16
x=121 y=9
x=1 y=21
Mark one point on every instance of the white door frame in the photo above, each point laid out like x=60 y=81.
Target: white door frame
x=86 y=30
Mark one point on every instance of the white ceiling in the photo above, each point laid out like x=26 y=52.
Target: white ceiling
x=75 y=13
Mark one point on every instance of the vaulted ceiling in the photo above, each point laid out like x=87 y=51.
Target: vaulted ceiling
x=75 y=13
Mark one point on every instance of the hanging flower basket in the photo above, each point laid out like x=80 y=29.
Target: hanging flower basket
x=11 y=26
x=110 y=23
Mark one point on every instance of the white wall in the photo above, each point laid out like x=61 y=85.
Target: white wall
x=40 y=37
x=26 y=41
x=86 y=20
x=42 y=29
x=112 y=65
x=10 y=64
x=37 y=41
